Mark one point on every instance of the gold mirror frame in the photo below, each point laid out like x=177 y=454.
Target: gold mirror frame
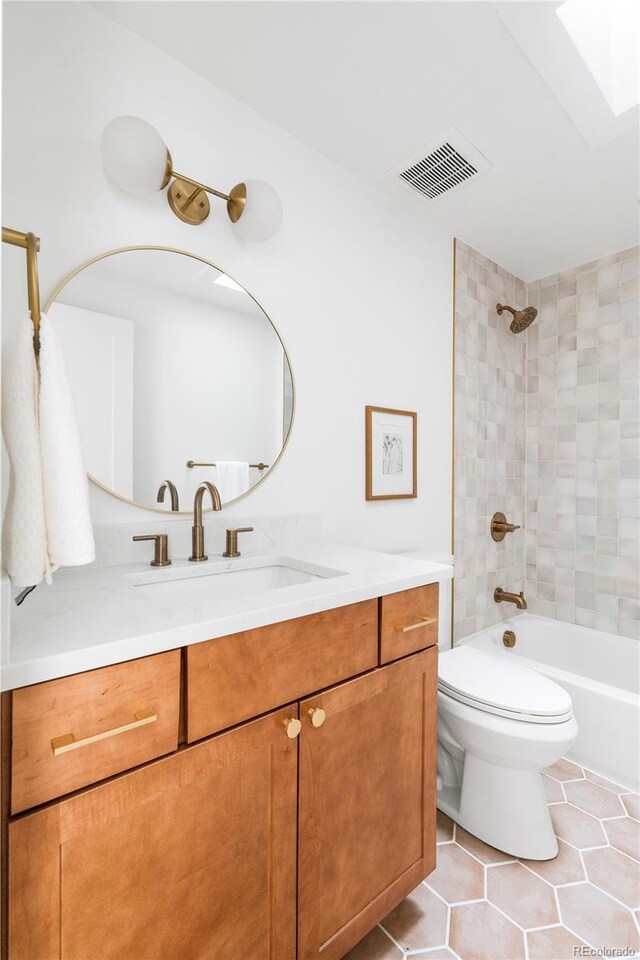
x=194 y=256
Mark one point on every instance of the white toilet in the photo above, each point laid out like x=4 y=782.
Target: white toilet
x=499 y=725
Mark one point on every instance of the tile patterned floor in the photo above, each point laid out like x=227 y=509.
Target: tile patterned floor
x=481 y=904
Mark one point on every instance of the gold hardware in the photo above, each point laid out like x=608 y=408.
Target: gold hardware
x=503 y=596
x=509 y=638
x=68 y=742
x=421 y=622
x=500 y=527
x=317 y=716
x=197 y=530
x=161 y=550
x=236 y=202
x=173 y=492
x=189 y=205
x=30 y=243
x=232 y=541
x=192 y=463
x=188 y=197
x=521 y=318
x=184 y=253
x=292 y=727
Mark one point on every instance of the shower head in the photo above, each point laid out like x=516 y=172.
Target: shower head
x=521 y=318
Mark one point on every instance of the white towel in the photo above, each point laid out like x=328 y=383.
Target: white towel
x=64 y=481
x=232 y=479
x=24 y=542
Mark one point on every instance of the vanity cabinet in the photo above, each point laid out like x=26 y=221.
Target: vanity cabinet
x=192 y=856
x=282 y=837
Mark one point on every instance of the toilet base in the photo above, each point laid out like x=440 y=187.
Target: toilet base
x=504 y=806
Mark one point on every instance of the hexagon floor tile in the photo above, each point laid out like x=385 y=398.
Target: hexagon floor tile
x=624 y=834
x=566 y=868
x=482 y=904
x=593 y=799
x=575 y=826
x=525 y=898
x=615 y=874
x=603 y=922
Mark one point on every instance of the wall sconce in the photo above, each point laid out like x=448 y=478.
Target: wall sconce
x=137 y=160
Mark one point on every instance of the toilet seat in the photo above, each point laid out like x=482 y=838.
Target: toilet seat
x=488 y=683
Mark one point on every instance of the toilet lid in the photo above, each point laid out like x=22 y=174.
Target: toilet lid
x=490 y=683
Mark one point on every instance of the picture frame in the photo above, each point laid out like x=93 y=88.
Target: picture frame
x=391 y=441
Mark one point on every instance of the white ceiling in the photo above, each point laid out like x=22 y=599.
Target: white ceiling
x=367 y=83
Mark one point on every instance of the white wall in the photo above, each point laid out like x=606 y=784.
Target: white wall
x=359 y=287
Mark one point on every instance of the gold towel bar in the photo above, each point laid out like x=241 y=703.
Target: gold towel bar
x=30 y=243
x=192 y=463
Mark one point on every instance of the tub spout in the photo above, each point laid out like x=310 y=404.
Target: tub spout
x=503 y=596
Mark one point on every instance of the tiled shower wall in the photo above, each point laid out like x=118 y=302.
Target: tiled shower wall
x=583 y=446
x=489 y=441
x=570 y=385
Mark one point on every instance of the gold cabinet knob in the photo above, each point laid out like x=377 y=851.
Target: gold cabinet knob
x=317 y=716
x=292 y=727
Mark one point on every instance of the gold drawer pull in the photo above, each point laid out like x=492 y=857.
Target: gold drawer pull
x=422 y=622
x=317 y=716
x=292 y=727
x=68 y=742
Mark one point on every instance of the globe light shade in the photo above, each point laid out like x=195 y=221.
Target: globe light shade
x=134 y=155
x=262 y=214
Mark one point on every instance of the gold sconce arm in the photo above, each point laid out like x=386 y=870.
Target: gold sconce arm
x=200 y=186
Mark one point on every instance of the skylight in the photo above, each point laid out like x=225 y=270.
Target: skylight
x=606 y=33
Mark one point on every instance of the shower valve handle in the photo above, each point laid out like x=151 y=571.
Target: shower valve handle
x=500 y=527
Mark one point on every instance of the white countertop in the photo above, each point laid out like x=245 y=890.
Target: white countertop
x=94 y=616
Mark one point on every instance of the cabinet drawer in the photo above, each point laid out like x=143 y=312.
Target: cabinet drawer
x=233 y=678
x=408 y=622
x=71 y=732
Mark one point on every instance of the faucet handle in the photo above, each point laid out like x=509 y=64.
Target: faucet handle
x=161 y=550
x=232 y=541
x=500 y=527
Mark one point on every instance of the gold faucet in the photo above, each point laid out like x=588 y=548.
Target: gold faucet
x=173 y=493
x=503 y=596
x=197 y=530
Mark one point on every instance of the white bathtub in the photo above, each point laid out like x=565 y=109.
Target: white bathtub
x=600 y=671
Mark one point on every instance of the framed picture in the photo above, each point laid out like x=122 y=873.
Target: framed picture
x=391 y=454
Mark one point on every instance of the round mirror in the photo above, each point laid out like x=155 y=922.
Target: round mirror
x=178 y=376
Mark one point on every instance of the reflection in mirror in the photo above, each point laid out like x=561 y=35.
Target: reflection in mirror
x=171 y=362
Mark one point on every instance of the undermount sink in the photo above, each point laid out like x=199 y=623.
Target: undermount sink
x=218 y=579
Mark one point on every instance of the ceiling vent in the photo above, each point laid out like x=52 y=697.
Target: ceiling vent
x=445 y=165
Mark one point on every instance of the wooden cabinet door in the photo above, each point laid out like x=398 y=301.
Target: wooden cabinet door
x=367 y=803
x=191 y=857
